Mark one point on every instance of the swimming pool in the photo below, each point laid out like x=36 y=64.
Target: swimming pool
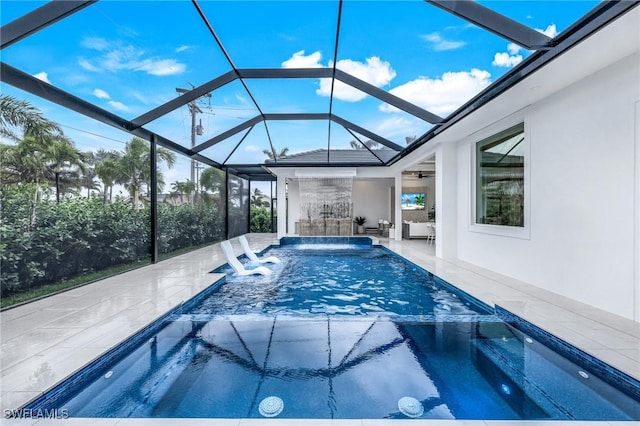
x=351 y=362
x=340 y=279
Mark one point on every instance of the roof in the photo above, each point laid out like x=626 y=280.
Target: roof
x=322 y=93
x=374 y=157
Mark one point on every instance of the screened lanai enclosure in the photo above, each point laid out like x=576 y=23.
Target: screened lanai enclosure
x=160 y=125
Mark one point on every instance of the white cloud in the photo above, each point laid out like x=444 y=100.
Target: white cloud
x=252 y=148
x=511 y=58
x=503 y=59
x=391 y=123
x=95 y=43
x=42 y=76
x=513 y=48
x=550 y=31
x=183 y=48
x=101 y=94
x=242 y=99
x=444 y=94
x=439 y=43
x=119 y=106
x=161 y=67
x=374 y=71
x=299 y=60
x=88 y=65
x=117 y=56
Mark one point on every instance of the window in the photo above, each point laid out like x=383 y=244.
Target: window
x=500 y=186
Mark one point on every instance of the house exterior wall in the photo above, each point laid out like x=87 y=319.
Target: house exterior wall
x=583 y=207
x=371 y=199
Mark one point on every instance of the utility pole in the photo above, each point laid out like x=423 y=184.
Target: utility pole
x=196 y=129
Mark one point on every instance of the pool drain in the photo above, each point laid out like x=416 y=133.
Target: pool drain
x=410 y=407
x=271 y=406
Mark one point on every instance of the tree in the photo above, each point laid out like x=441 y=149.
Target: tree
x=88 y=179
x=257 y=198
x=183 y=188
x=270 y=153
x=410 y=139
x=51 y=160
x=212 y=179
x=371 y=144
x=134 y=167
x=62 y=156
x=108 y=171
x=17 y=113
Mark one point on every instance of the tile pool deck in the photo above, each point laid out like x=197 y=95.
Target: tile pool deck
x=45 y=341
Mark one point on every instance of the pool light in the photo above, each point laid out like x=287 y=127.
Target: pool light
x=271 y=406
x=583 y=374
x=505 y=389
x=410 y=407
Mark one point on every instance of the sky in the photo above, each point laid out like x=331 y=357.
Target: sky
x=129 y=57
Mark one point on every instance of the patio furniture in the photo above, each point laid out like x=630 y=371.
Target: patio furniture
x=251 y=254
x=239 y=269
x=431 y=233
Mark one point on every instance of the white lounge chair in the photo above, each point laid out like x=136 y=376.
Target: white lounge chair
x=237 y=266
x=252 y=256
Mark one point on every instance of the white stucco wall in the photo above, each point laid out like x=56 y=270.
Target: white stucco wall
x=582 y=185
x=372 y=199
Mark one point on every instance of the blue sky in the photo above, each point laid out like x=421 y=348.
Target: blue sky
x=128 y=57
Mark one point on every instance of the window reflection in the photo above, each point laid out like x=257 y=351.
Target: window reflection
x=500 y=178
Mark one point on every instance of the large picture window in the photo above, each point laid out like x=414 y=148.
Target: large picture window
x=500 y=176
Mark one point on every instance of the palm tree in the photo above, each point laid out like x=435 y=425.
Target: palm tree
x=270 y=153
x=182 y=188
x=89 y=177
x=108 y=171
x=134 y=167
x=17 y=113
x=371 y=144
x=62 y=156
x=257 y=198
x=51 y=159
x=23 y=162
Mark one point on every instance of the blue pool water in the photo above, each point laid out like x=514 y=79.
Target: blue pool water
x=345 y=280
x=344 y=333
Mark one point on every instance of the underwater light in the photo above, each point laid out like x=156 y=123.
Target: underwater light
x=410 y=407
x=271 y=406
x=109 y=374
x=505 y=389
x=583 y=374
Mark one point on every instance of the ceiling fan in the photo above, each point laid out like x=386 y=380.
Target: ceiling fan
x=424 y=175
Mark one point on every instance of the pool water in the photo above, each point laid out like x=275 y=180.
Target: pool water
x=344 y=332
x=345 y=368
x=355 y=280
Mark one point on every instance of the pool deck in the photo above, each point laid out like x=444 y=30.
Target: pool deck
x=45 y=341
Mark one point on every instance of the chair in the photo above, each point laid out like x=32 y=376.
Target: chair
x=237 y=266
x=252 y=256
x=431 y=233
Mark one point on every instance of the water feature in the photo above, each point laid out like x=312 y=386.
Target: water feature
x=326 y=206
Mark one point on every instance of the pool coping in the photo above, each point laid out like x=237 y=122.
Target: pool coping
x=424 y=260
